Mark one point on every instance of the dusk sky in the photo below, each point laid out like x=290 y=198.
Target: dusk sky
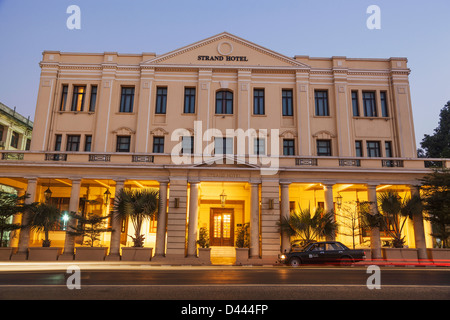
x=418 y=30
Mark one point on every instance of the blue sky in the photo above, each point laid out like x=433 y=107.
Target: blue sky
x=418 y=30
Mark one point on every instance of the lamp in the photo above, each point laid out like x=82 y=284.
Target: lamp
x=48 y=194
x=106 y=196
x=223 y=198
x=339 y=201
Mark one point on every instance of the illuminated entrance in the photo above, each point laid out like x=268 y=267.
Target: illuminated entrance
x=222 y=231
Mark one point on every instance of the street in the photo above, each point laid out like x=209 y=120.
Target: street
x=141 y=282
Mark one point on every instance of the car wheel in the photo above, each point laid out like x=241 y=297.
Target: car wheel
x=295 y=262
x=346 y=261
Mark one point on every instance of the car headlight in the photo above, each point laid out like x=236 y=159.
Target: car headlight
x=282 y=257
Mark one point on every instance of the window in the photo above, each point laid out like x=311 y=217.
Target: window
x=286 y=102
x=161 y=100
x=87 y=143
x=93 y=99
x=28 y=144
x=384 y=107
x=187 y=145
x=127 y=99
x=324 y=148
x=370 y=107
x=258 y=101
x=58 y=141
x=123 y=144
x=355 y=103
x=14 y=139
x=189 y=100
x=358 y=148
x=373 y=149
x=259 y=146
x=158 y=144
x=224 y=102
x=388 y=149
x=65 y=90
x=288 y=147
x=78 y=98
x=73 y=143
x=321 y=98
x=223 y=145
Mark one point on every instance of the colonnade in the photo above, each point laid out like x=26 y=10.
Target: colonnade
x=171 y=227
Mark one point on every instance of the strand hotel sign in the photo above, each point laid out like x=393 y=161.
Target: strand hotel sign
x=225 y=49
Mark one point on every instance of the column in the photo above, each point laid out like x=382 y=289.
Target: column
x=17 y=219
x=329 y=203
x=375 y=241
x=419 y=231
x=24 y=236
x=285 y=213
x=69 y=242
x=116 y=224
x=193 y=220
x=176 y=218
x=160 y=244
x=254 y=220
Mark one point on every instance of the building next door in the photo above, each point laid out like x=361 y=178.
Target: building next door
x=222 y=227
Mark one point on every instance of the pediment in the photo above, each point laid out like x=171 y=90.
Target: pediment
x=225 y=50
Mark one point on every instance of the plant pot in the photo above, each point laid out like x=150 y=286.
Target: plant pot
x=90 y=253
x=241 y=256
x=5 y=253
x=44 y=253
x=136 y=254
x=400 y=255
x=204 y=255
x=439 y=255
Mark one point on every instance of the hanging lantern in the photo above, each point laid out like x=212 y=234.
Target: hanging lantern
x=223 y=198
x=339 y=200
x=47 y=194
x=106 y=196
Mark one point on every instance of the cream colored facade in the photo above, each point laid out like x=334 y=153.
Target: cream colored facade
x=89 y=137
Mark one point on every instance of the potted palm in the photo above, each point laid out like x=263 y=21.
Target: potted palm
x=10 y=204
x=90 y=228
x=204 y=251
x=309 y=227
x=44 y=218
x=395 y=212
x=137 y=205
x=242 y=244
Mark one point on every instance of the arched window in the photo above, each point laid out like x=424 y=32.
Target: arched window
x=224 y=102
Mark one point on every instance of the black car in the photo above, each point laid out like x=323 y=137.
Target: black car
x=322 y=252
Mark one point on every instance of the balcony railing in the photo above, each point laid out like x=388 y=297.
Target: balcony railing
x=9 y=157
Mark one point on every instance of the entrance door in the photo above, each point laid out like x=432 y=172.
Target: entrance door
x=222 y=227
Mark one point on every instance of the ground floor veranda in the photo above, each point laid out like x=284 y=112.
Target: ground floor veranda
x=221 y=200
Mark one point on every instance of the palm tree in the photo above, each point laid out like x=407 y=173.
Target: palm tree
x=10 y=204
x=45 y=218
x=309 y=227
x=137 y=205
x=396 y=212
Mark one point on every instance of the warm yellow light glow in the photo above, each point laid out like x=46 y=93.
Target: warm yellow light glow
x=384 y=187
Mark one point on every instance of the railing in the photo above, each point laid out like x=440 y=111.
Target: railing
x=157 y=159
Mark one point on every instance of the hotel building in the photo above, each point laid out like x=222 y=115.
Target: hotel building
x=229 y=132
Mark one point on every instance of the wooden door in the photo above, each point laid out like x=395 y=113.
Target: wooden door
x=222 y=227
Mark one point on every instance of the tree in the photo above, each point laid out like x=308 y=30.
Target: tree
x=349 y=221
x=137 y=205
x=309 y=227
x=45 y=218
x=436 y=197
x=437 y=145
x=10 y=204
x=90 y=227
